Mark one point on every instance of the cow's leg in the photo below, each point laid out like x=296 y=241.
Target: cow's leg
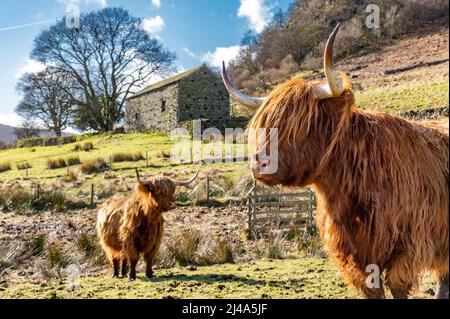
x=149 y=265
x=374 y=293
x=132 y=256
x=115 y=262
x=400 y=277
x=442 y=290
x=124 y=267
x=400 y=291
x=132 y=274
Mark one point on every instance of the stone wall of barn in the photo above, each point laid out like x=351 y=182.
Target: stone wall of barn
x=200 y=95
x=146 y=111
x=203 y=95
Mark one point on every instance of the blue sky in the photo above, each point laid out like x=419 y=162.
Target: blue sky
x=196 y=30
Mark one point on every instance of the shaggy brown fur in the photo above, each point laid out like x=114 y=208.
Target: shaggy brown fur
x=381 y=183
x=133 y=226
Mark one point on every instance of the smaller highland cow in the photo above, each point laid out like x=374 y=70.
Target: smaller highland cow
x=133 y=226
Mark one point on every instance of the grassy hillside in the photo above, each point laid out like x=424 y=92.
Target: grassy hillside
x=157 y=146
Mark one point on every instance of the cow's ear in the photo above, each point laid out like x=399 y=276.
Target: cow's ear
x=151 y=188
x=141 y=188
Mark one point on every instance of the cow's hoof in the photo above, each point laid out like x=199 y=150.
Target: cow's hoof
x=149 y=276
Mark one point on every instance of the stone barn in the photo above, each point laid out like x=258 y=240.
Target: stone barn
x=177 y=101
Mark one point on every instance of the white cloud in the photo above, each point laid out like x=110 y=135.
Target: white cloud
x=156 y=3
x=226 y=54
x=257 y=12
x=30 y=66
x=101 y=3
x=11 y=119
x=154 y=25
x=190 y=53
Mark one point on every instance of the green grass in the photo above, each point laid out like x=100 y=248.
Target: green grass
x=105 y=146
x=395 y=97
x=413 y=95
x=291 y=278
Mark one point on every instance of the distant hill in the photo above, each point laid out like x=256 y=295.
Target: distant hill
x=7 y=133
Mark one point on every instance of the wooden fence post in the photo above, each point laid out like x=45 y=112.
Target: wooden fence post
x=110 y=162
x=38 y=191
x=92 y=195
x=146 y=159
x=207 y=187
x=26 y=171
x=251 y=201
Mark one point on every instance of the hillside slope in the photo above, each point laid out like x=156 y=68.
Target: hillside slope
x=410 y=74
x=7 y=134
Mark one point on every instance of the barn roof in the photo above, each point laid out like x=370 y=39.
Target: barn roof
x=167 y=81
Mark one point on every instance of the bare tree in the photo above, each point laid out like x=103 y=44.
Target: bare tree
x=110 y=56
x=46 y=99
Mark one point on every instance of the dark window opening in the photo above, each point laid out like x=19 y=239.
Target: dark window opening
x=163 y=105
x=136 y=117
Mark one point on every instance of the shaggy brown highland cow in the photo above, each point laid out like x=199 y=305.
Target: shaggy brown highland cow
x=381 y=181
x=133 y=226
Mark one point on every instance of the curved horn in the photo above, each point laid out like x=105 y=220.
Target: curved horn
x=138 y=177
x=335 y=84
x=185 y=183
x=252 y=102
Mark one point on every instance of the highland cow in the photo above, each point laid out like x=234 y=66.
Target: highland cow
x=133 y=226
x=381 y=181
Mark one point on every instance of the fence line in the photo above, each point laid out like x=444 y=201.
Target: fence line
x=280 y=210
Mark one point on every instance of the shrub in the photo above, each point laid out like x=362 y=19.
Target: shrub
x=87 y=244
x=93 y=166
x=45 y=141
x=127 y=157
x=106 y=190
x=71 y=176
x=56 y=163
x=72 y=161
x=276 y=247
x=48 y=200
x=5 y=167
x=164 y=258
x=55 y=256
x=20 y=200
x=37 y=244
x=86 y=147
x=23 y=165
x=183 y=197
x=192 y=247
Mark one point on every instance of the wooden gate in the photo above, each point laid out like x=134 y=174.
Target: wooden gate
x=279 y=210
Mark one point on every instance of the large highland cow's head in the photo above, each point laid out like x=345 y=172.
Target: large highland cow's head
x=307 y=117
x=159 y=191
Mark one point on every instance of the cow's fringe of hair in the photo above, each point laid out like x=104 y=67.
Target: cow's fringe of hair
x=294 y=110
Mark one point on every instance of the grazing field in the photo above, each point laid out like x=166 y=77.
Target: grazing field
x=305 y=278
x=39 y=245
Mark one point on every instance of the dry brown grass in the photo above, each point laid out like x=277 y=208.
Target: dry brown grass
x=126 y=157
x=5 y=167
x=193 y=247
x=86 y=147
x=56 y=163
x=23 y=166
x=93 y=166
